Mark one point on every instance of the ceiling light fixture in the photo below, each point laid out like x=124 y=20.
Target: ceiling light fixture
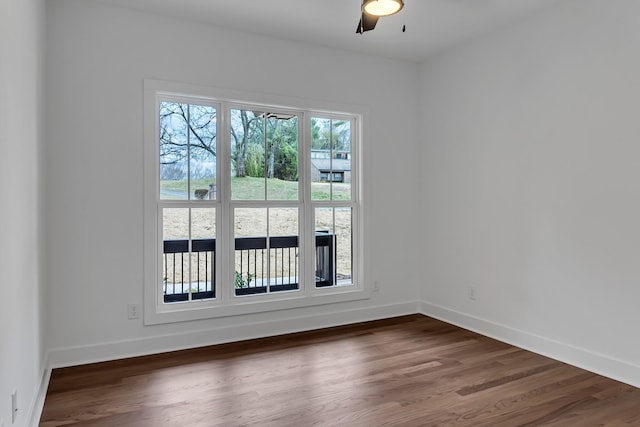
x=382 y=7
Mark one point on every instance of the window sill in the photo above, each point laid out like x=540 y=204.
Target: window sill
x=154 y=315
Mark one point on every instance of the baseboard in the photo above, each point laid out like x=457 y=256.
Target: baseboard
x=600 y=364
x=619 y=370
x=35 y=409
x=72 y=356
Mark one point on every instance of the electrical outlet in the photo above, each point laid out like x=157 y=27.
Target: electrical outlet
x=133 y=311
x=376 y=286
x=472 y=293
x=14 y=406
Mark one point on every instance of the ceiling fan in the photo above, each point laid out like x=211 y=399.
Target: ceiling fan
x=372 y=10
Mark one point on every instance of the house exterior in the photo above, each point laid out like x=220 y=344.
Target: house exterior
x=330 y=166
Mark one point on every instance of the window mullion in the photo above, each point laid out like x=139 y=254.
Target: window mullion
x=331 y=159
x=223 y=172
x=265 y=172
x=306 y=210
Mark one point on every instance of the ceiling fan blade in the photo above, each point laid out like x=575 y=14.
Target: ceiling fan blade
x=367 y=23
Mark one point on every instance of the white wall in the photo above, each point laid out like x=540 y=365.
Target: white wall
x=21 y=235
x=531 y=184
x=97 y=58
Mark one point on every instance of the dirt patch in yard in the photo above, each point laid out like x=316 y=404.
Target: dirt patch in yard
x=255 y=222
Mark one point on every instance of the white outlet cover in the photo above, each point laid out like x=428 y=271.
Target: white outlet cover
x=133 y=311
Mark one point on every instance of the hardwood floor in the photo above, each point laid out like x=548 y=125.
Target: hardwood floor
x=406 y=371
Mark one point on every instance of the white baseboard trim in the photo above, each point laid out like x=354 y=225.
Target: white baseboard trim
x=80 y=355
x=619 y=370
x=600 y=364
x=35 y=410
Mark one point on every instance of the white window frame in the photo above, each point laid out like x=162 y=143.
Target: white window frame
x=226 y=303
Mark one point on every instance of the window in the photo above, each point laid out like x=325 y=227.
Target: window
x=248 y=207
x=186 y=199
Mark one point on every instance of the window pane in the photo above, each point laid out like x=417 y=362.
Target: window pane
x=341 y=160
x=203 y=223
x=333 y=266
x=250 y=256
x=264 y=155
x=187 y=151
x=344 y=246
x=175 y=257
x=320 y=135
x=320 y=159
x=283 y=249
x=282 y=157
x=266 y=250
x=330 y=159
x=324 y=248
x=202 y=151
x=203 y=247
x=175 y=223
x=247 y=155
x=250 y=222
x=188 y=265
x=173 y=151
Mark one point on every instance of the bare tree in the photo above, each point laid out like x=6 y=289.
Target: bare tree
x=186 y=129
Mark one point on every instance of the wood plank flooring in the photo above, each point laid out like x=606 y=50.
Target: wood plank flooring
x=406 y=371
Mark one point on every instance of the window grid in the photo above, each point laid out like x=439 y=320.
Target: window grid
x=307 y=242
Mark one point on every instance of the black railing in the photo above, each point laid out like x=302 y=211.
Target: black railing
x=252 y=271
x=260 y=268
x=177 y=284
x=325 y=259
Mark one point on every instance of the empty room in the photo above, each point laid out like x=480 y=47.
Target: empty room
x=337 y=212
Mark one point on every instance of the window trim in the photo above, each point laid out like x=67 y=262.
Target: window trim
x=157 y=313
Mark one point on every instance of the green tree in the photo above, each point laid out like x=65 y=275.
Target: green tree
x=328 y=134
x=264 y=147
x=282 y=143
x=254 y=163
x=245 y=126
x=286 y=162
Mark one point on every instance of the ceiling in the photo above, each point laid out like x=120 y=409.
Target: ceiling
x=431 y=25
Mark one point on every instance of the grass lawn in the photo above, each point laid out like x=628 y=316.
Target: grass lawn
x=249 y=222
x=249 y=188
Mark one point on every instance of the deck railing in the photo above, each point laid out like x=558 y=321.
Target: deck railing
x=177 y=283
x=259 y=268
